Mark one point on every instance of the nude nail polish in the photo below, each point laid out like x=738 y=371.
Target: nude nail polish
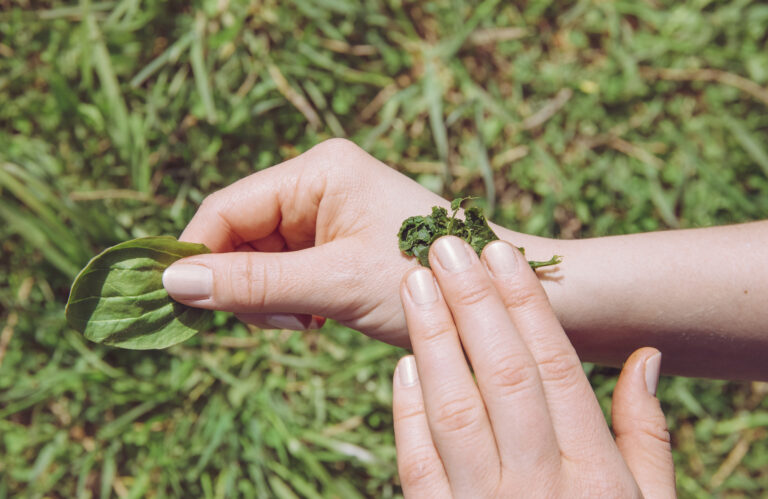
x=407 y=372
x=188 y=282
x=453 y=254
x=652 y=369
x=500 y=259
x=421 y=286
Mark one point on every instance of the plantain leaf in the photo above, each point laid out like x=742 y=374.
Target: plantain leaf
x=119 y=299
x=418 y=233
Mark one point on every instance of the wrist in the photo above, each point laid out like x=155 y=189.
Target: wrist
x=565 y=300
x=536 y=247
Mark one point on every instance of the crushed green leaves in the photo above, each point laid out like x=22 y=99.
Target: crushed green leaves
x=418 y=233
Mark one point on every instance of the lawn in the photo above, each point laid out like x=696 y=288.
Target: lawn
x=569 y=119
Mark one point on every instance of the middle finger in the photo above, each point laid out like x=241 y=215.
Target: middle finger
x=506 y=372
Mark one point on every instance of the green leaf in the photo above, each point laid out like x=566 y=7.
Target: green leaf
x=418 y=233
x=119 y=299
x=456 y=203
x=480 y=233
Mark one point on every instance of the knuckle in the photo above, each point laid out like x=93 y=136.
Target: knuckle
x=210 y=201
x=336 y=148
x=513 y=376
x=559 y=367
x=656 y=429
x=437 y=332
x=610 y=487
x=419 y=465
x=247 y=290
x=406 y=415
x=336 y=158
x=457 y=416
x=522 y=297
x=216 y=205
x=472 y=294
x=661 y=435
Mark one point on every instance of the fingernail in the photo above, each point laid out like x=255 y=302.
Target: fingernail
x=286 y=321
x=422 y=287
x=407 y=371
x=452 y=254
x=188 y=282
x=652 y=368
x=501 y=258
x=317 y=322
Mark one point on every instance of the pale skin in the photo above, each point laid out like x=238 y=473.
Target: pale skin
x=316 y=235
x=530 y=426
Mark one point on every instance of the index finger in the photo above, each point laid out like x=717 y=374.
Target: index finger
x=284 y=198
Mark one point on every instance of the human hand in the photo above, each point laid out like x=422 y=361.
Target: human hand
x=531 y=425
x=315 y=235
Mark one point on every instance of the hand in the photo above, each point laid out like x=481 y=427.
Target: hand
x=316 y=235
x=531 y=425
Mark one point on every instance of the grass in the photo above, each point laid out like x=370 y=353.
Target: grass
x=571 y=119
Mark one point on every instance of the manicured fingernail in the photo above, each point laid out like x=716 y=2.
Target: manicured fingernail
x=652 y=368
x=501 y=258
x=452 y=253
x=287 y=321
x=316 y=322
x=422 y=287
x=188 y=282
x=407 y=371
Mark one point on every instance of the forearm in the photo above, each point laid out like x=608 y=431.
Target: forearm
x=699 y=295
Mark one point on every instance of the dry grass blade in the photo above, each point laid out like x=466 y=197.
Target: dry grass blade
x=635 y=151
x=7 y=334
x=298 y=100
x=549 y=109
x=493 y=35
x=343 y=47
x=510 y=156
x=109 y=194
x=378 y=101
x=713 y=75
x=736 y=456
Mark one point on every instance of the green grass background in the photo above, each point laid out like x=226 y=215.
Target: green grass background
x=571 y=119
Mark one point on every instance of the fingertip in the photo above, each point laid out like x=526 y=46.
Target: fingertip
x=404 y=280
x=188 y=282
x=641 y=355
x=406 y=374
x=645 y=364
x=640 y=426
x=201 y=234
x=501 y=259
x=502 y=242
x=451 y=254
x=419 y=287
x=652 y=370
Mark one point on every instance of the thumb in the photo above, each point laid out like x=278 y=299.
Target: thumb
x=315 y=281
x=640 y=427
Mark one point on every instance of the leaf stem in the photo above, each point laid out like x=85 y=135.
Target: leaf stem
x=552 y=261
